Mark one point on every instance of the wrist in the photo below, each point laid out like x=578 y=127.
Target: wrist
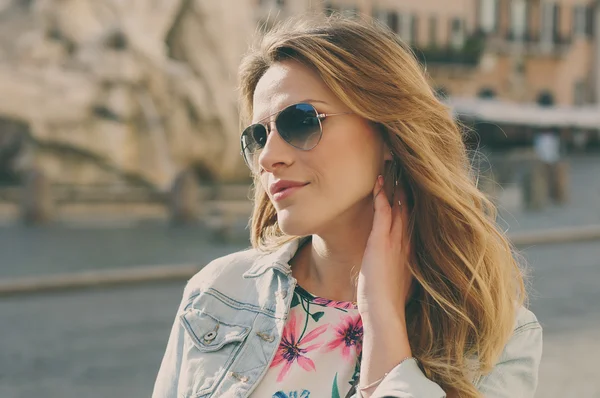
x=384 y=315
x=385 y=345
x=370 y=386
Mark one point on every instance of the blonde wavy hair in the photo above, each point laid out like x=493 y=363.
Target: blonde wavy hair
x=470 y=285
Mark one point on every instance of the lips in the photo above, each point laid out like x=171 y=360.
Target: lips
x=282 y=186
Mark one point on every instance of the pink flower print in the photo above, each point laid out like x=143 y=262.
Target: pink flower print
x=349 y=334
x=332 y=303
x=290 y=349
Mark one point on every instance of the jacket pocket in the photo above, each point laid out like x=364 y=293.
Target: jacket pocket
x=212 y=347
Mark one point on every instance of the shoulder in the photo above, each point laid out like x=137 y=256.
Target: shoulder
x=526 y=339
x=229 y=268
x=525 y=320
x=516 y=371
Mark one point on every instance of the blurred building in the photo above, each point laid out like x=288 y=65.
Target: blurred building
x=541 y=51
x=533 y=51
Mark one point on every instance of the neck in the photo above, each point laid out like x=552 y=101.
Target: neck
x=329 y=263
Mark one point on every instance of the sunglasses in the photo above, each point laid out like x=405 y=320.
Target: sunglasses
x=299 y=125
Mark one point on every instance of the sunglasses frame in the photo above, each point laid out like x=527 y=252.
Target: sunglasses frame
x=320 y=117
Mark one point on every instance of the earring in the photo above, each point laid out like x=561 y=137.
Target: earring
x=393 y=172
x=396 y=172
x=394 y=168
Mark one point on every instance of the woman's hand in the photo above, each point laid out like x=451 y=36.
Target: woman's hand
x=384 y=281
x=383 y=288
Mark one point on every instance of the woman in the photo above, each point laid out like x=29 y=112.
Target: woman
x=377 y=269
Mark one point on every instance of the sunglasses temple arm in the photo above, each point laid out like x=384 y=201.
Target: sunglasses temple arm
x=324 y=115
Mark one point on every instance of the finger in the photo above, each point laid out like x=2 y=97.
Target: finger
x=382 y=218
x=402 y=214
x=403 y=198
x=397 y=215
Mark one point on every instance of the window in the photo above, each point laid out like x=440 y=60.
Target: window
x=433 y=31
x=414 y=29
x=393 y=21
x=583 y=21
x=518 y=19
x=488 y=15
x=579 y=21
x=548 y=20
x=457 y=37
x=591 y=22
x=556 y=24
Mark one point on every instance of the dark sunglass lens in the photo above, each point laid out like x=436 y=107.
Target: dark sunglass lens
x=299 y=126
x=253 y=139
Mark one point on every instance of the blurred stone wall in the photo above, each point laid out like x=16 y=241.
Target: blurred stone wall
x=115 y=91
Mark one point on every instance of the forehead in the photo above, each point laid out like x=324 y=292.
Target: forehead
x=286 y=83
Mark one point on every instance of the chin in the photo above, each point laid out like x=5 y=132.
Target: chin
x=295 y=224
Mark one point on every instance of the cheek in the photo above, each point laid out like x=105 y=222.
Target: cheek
x=352 y=160
x=348 y=178
x=354 y=181
x=339 y=185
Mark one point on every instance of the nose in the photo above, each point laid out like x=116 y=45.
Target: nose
x=276 y=152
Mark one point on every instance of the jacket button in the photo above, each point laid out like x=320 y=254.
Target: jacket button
x=265 y=337
x=242 y=378
x=210 y=336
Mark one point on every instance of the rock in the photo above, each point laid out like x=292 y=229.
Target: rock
x=161 y=73
x=119 y=102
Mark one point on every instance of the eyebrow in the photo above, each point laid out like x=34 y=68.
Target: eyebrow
x=307 y=100
x=313 y=100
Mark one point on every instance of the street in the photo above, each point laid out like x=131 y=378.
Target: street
x=109 y=343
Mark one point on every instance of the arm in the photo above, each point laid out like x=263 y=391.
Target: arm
x=515 y=374
x=384 y=285
x=385 y=346
x=383 y=288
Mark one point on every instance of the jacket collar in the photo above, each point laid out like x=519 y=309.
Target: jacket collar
x=278 y=259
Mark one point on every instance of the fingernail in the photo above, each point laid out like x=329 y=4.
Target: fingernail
x=380 y=180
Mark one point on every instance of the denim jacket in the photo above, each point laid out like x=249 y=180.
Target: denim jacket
x=230 y=323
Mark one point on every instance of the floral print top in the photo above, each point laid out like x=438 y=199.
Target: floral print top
x=319 y=353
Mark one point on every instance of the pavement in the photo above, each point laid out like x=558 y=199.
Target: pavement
x=66 y=249
x=108 y=342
